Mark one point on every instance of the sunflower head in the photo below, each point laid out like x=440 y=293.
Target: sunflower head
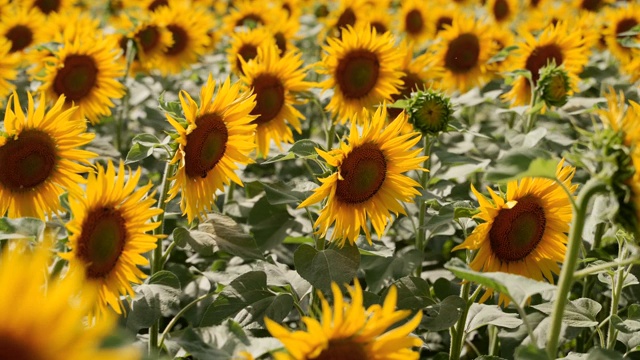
x=351 y=329
x=554 y=86
x=430 y=112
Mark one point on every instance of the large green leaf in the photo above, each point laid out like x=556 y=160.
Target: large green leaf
x=522 y=162
x=577 y=313
x=321 y=268
x=482 y=315
x=230 y=236
x=159 y=296
x=413 y=293
x=442 y=315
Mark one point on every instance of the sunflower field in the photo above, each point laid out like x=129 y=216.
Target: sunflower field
x=329 y=179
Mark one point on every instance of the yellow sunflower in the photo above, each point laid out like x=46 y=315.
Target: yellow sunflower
x=533 y=5
x=49 y=7
x=632 y=69
x=503 y=11
x=501 y=38
x=284 y=33
x=350 y=331
x=414 y=20
x=152 y=40
x=22 y=27
x=346 y=15
x=252 y=14
x=378 y=18
x=70 y=24
x=368 y=183
x=245 y=44
x=591 y=5
x=462 y=52
x=620 y=20
x=8 y=69
x=189 y=29
x=622 y=117
x=441 y=18
x=363 y=69
x=46 y=320
x=293 y=8
x=40 y=157
x=218 y=137
x=526 y=232
x=556 y=44
x=274 y=81
x=108 y=233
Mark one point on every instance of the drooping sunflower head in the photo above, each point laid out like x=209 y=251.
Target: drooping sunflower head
x=109 y=233
x=363 y=71
x=414 y=20
x=245 y=44
x=275 y=81
x=369 y=182
x=351 y=329
x=28 y=330
x=218 y=138
x=462 y=53
x=40 y=157
x=620 y=20
x=523 y=233
x=556 y=44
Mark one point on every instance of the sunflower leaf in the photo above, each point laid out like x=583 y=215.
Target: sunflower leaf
x=482 y=315
x=230 y=237
x=519 y=163
x=321 y=268
x=577 y=313
x=443 y=315
x=138 y=152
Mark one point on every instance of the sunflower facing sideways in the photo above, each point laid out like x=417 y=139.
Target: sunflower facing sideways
x=40 y=157
x=47 y=320
x=86 y=71
x=368 y=183
x=245 y=44
x=462 y=52
x=363 y=70
x=556 y=44
x=349 y=331
x=524 y=233
x=108 y=233
x=219 y=135
x=274 y=81
x=620 y=20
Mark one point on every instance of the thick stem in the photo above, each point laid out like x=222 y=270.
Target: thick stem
x=616 y=291
x=531 y=116
x=565 y=282
x=422 y=204
x=458 y=335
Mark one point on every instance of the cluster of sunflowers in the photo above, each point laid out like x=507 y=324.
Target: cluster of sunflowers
x=379 y=76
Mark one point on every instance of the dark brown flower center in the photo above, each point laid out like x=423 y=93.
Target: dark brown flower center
x=102 y=239
x=348 y=17
x=148 y=37
x=501 y=10
x=27 y=161
x=321 y=11
x=412 y=82
x=463 y=53
x=47 y=6
x=180 y=40
x=380 y=27
x=625 y=25
x=343 y=349
x=281 y=43
x=157 y=4
x=542 y=56
x=270 y=99
x=206 y=145
x=286 y=7
x=250 y=20
x=442 y=21
x=591 y=5
x=17 y=348
x=357 y=73
x=516 y=232
x=534 y=3
x=20 y=36
x=413 y=22
x=363 y=172
x=247 y=52
x=76 y=78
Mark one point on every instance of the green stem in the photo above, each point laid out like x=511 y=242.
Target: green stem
x=597 y=236
x=457 y=333
x=228 y=197
x=531 y=116
x=421 y=234
x=493 y=340
x=179 y=315
x=597 y=268
x=331 y=133
x=165 y=255
x=565 y=282
x=616 y=291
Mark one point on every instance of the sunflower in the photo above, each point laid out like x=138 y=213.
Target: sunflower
x=189 y=29
x=46 y=320
x=252 y=14
x=591 y=5
x=501 y=38
x=534 y=5
x=555 y=44
x=633 y=67
x=440 y=18
x=284 y=33
x=275 y=81
x=369 y=182
x=70 y=24
x=8 y=69
x=462 y=52
x=49 y=7
x=86 y=72
x=620 y=20
x=21 y=26
x=109 y=233
x=524 y=233
x=413 y=20
x=293 y=8
x=350 y=329
x=346 y=15
x=245 y=44
x=152 y=40
x=378 y=18
x=363 y=69
x=39 y=155
x=219 y=135
x=622 y=118
x=503 y=11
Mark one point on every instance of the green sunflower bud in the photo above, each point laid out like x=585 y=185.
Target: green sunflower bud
x=554 y=86
x=429 y=111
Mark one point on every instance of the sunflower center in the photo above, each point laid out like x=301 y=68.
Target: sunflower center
x=321 y=11
x=76 y=78
x=247 y=52
x=591 y=5
x=148 y=38
x=269 y=98
x=343 y=349
x=380 y=27
x=102 y=240
x=357 y=73
x=20 y=37
x=180 y=40
x=348 y=17
x=250 y=20
x=500 y=10
x=281 y=42
x=517 y=231
x=206 y=145
x=541 y=57
x=414 y=22
x=27 y=161
x=442 y=21
x=462 y=54
x=625 y=25
x=363 y=173
x=156 y=4
x=47 y=6
x=16 y=349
